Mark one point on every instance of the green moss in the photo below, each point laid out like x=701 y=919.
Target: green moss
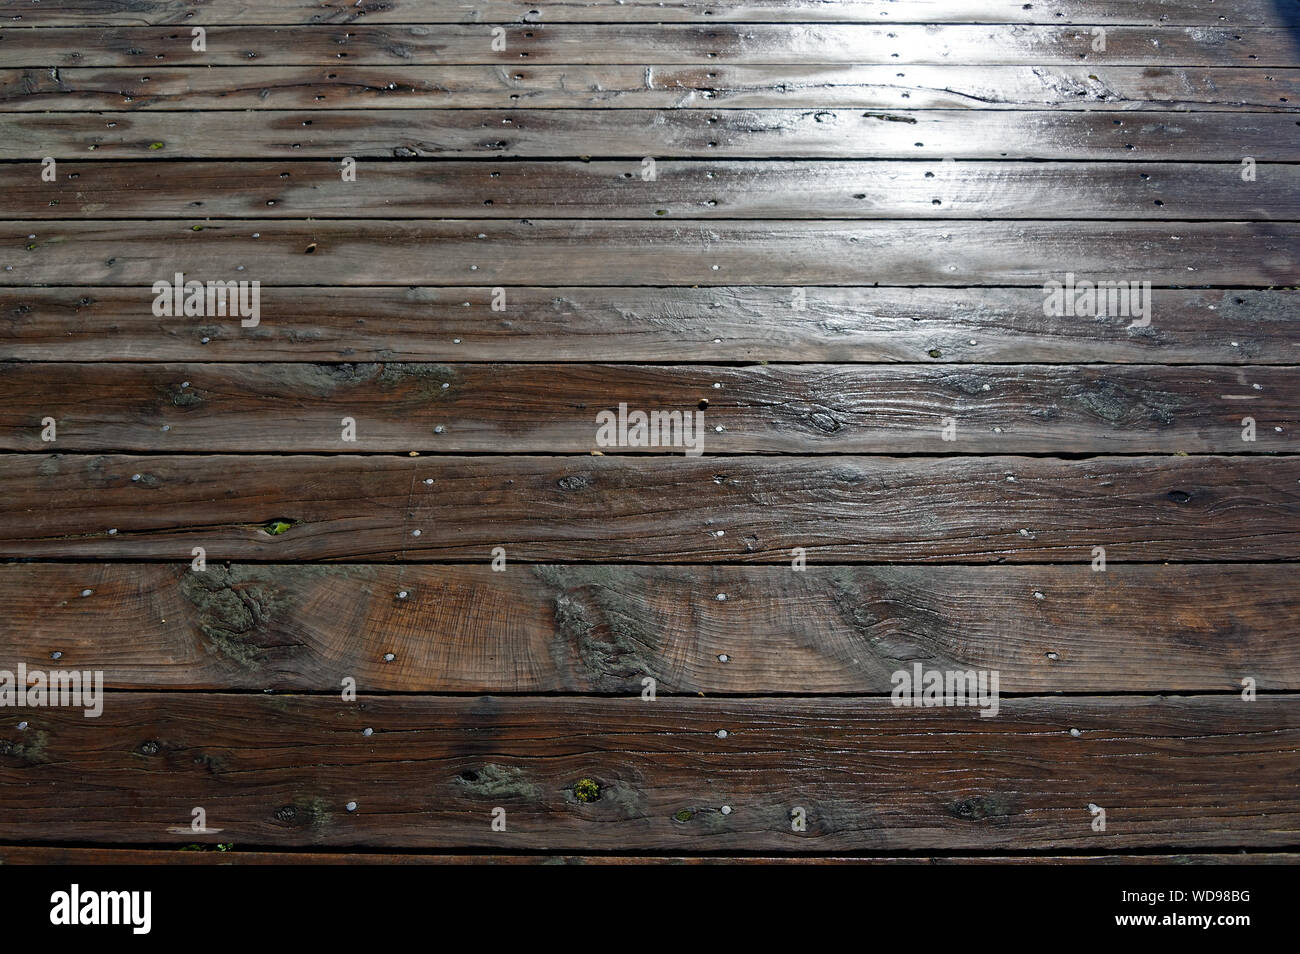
x=586 y=790
x=277 y=527
x=155 y=145
x=684 y=815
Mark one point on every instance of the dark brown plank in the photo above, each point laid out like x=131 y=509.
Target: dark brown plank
x=603 y=629
x=145 y=12
x=635 y=133
x=666 y=44
x=209 y=855
x=651 y=87
x=546 y=408
x=684 y=325
x=1191 y=772
x=652 y=509
x=602 y=252
x=708 y=189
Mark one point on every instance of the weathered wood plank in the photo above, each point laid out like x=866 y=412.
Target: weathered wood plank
x=603 y=629
x=708 y=189
x=556 y=408
x=651 y=87
x=1179 y=773
x=604 y=252
x=635 y=133
x=651 y=509
x=147 y=12
x=684 y=325
x=53 y=855
x=667 y=44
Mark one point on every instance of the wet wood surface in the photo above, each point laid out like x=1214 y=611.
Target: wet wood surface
x=676 y=775
x=666 y=324
x=554 y=408
x=682 y=189
x=1142 y=12
x=197 y=854
x=360 y=43
x=630 y=508
x=773 y=133
x=628 y=87
x=603 y=629
x=604 y=252
x=818 y=238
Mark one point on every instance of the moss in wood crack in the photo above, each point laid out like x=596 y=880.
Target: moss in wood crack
x=574 y=482
x=684 y=815
x=305 y=813
x=498 y=781
x=235 y=611
x=965 y=382
x=30 y=751
x=180 y=396
x=277 y=527
x=426 y=379
x=586 y=790
x=601 y=628
x=979 y=807
x=627 y=799
x=1117 y=404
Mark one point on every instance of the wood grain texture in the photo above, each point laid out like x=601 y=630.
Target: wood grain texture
x=663 y=44
x=1188 y=773
x=53 y=855
x=807 y=273
x=603 y=252
x=634 y=133
x=541 y=408
x=681 y=325
x=1146 y=12
x=651 y=87
x=681 y=189
x=651 y=509
x=603 y=629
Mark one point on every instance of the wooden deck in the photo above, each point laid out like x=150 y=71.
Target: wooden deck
x=823 y=232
